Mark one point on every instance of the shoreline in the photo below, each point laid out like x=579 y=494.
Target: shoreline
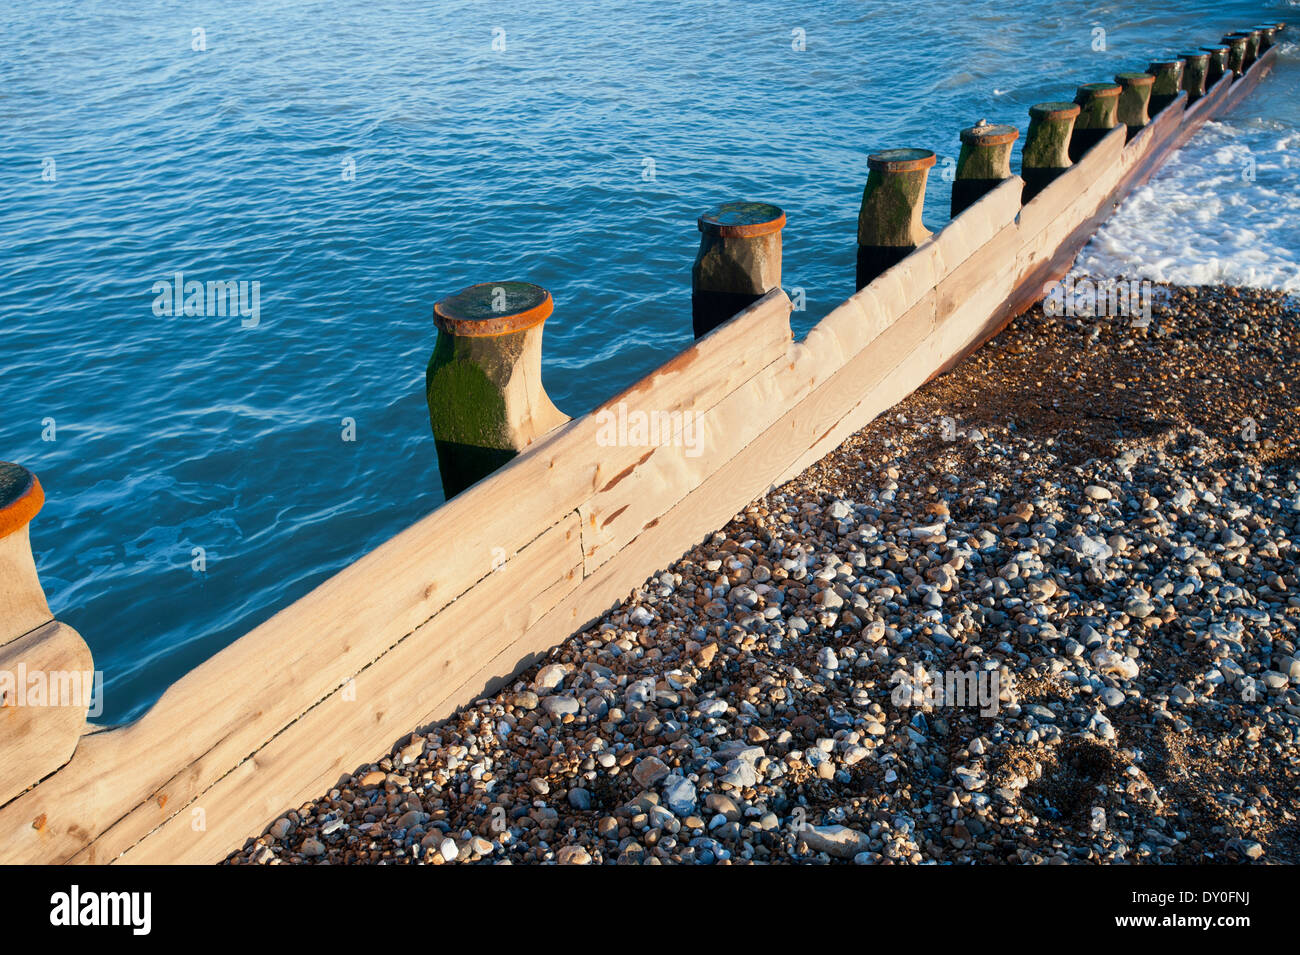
x=772 y=732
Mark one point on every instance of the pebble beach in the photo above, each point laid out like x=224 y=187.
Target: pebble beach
x=1043 y=611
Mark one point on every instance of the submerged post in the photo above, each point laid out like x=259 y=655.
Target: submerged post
x=1196 y=69
x=983 y=163
x=1098 y=105
x=1047 y=146
x=739 y=261
x=484 y=381
x=1236 y=44
x=1168 y=84
x=1217 y=64
x=1134 y=100
x=889 y=221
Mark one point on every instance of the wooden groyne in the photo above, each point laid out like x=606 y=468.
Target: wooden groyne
x=574 y=514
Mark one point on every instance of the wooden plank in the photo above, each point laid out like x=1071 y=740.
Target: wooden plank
x=1055 y=202
x=348 y=621
x=384 y=703
x=41 y=732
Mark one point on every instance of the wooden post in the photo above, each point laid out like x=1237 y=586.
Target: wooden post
x=983 y=163
x=1168 y=84
x=1196 y=70
x=1098 y=106
x=22 y=599
x=1134 y=100
x=47 y=679
x=1251 y=53
x=484 y=381
x=1047 y=145
x=1267 y=36
x=889 y=220
x=1236 y=44
x=739 y=261
x=1217 y=64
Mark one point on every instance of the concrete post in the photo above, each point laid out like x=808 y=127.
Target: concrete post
x=1236 y=44
x=1168 y=84
x=1135 y=100
x=984 y=162
x=1098 y=105
x=1047 y=146
x=739 y=261
x=1196 y=69
x=889 y=221
x=484 y=380
x=1217 y=64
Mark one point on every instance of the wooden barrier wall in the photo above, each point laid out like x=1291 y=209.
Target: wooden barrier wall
x=451 y=608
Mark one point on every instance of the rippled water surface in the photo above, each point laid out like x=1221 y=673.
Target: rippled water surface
x=577 y=157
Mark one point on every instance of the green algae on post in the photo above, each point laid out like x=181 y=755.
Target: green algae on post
x=1168 y=84
x=1098 y=107
x=1047 y=145
x=483 y=383
x=738 y=262
x=983 y=163
x=1134 y=100
x=889 y=220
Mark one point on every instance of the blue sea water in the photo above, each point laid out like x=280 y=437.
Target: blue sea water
x=570 y=144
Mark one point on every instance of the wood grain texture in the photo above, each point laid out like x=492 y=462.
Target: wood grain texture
x=40 y=734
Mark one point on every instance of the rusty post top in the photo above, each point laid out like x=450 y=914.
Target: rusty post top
x=742 y=220
x=1164 y=65
x=493 y=308
x=901 y=160
x=1094 y=90
x=989 y=134
x=1134 y=79
x=1195 y=55
x=1232 y=39
x=1059 y=110
x=20 y=497
x=1216 y=49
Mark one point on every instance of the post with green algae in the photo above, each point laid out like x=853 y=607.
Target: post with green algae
x=983 y=163
x=1196 y=70
x=739 y=261
x=1251 y=52
x=1098 y=108
x=889 y=220
x=1236 y=44
x=1047 y=146
x=1216 y=65
x=1268 y=35
x=484 y=382
x=1168 y=84
x=1133 y=100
